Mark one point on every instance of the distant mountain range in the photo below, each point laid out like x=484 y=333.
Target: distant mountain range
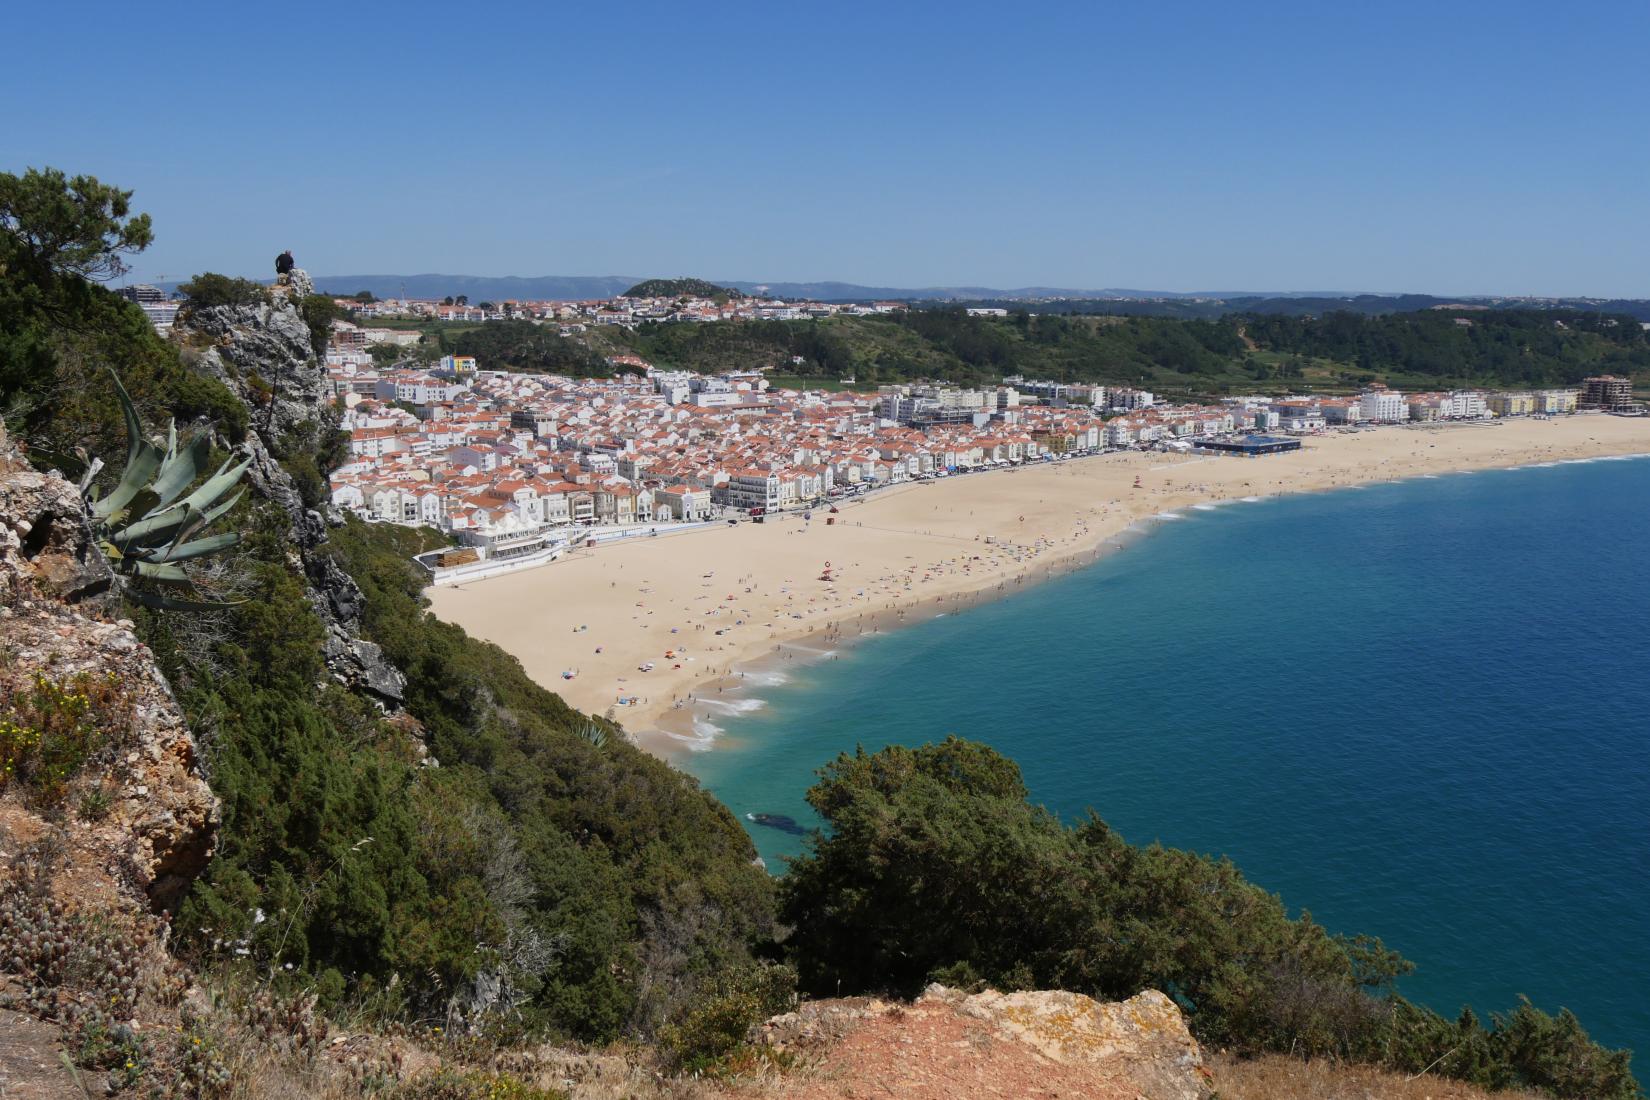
x=1166 y=303
x=497 y=288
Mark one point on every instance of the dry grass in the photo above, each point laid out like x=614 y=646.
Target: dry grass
x=1275 y=1077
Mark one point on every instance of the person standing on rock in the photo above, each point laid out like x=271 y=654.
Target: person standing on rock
x=284 y=263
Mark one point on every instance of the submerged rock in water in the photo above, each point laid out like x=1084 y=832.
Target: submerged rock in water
x=778 y=821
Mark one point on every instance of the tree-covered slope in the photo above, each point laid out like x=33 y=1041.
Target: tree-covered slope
x=681 y=288
x=1334 y=352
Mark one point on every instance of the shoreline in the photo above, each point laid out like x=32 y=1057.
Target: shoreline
x=968 y=539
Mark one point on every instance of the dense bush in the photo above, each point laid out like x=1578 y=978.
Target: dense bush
x=1507 y=347
x=318 y=312
x=934 y=866
x=524 y=345
x=645 y=884
x=715 y=1028
x=210 y=289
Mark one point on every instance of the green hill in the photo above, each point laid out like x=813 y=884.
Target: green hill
x=681 y=288
x=1334 y=353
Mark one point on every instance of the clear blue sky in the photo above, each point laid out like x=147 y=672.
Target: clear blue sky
x=1445 y=147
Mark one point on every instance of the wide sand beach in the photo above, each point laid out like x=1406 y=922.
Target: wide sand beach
x=705 y=608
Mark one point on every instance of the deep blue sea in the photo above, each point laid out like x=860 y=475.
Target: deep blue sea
x=1419 y=709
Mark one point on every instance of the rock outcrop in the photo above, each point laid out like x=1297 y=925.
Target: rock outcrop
x=948 y=1044
x=44 y=541
x=263 y=353
x=160 y=819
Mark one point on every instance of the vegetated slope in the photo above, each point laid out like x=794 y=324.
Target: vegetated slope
x=1509 y=347
x=1333 y=353
x=486 y=849
x=681 y=288
x=526 y=346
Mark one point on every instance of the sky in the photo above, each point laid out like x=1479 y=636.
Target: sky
x=1449 y=148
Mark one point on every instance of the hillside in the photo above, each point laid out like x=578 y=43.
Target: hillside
x=1337 y=353
x=680 y=288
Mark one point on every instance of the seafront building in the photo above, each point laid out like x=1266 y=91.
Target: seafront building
x=1607 y=391
x=516 y=466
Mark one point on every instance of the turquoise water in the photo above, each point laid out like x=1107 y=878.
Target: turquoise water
x=1418 y=709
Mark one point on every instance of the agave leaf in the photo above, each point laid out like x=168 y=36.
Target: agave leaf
x=162 y=527
x=155 y=529
x=141 y=506
x=199 y=548
x=134 y=429
x=167 y=603
x=194 y=520
x=155 y=571
x=217 y=485
x=180 y=467
x=92 y=467
x=139 y=470
x=217 y=510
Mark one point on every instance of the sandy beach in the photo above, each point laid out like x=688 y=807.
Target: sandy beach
x=705 y=608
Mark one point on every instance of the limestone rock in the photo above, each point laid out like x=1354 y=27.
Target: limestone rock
x=1145 y=1035
x=261 y=352
x=947 y=1044
x=264 y=350
x=163 y=818
x=44 y=539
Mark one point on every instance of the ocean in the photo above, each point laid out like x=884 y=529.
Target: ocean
x=1417 y=709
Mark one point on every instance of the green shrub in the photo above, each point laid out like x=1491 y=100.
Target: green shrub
x=210 y=289
x=935 y=865
x=49 y=729
x=712 y=1032
x=318 y=312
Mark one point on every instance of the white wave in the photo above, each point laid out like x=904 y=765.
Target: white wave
x=1205 y=507
x=1170 y=515
x=766 y=678
x=810 y=649
x=733 y=706
x=1251 y=500
x=703 y=737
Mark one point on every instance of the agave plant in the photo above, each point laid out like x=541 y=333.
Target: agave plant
x=594 y=734
x=146 y=526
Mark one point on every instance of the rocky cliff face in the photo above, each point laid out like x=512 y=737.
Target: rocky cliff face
x=159 y=818
x=263 y=353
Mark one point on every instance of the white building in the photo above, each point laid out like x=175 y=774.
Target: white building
x=1383 y=406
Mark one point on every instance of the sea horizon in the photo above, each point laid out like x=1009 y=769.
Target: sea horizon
x=765 y=741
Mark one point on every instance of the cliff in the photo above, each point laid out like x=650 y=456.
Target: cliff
x=155 y=817
x=264 y=354
x=105 y=816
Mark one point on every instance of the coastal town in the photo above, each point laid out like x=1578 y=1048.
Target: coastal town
x=514 y=466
